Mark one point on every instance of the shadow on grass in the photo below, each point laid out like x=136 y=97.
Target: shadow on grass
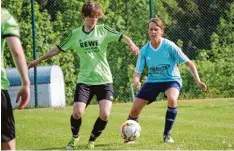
x=83 y=147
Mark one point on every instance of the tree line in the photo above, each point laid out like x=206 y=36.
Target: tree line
x=203 y=29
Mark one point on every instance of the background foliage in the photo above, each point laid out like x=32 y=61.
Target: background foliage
x=203 y=29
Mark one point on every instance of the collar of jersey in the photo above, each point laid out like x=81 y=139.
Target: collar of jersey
x=87 y=32
x=157 y=47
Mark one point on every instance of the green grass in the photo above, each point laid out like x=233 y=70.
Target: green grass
x=200 y=125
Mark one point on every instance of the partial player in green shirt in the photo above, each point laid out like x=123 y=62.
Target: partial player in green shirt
x=90 y=42
x=10 y=34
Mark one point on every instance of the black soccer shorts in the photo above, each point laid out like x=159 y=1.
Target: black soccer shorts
x=7 y=118
x=85 y=92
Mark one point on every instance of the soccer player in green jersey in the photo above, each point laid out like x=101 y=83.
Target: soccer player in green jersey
x=10 y=34
x=90 y=42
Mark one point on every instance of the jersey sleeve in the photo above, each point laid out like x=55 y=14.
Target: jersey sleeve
x=10 y=28
x=179 y=56
x=140 y=65
x=66 y=43
x=112 y=35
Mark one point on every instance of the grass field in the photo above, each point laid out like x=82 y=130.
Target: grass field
x=200 y=125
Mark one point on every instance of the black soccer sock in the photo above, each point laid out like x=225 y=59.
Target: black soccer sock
x=98 y=128
x=75 y=126
x=169 y=120
x=134 y=119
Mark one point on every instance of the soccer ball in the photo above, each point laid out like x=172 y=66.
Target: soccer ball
x=130 y=130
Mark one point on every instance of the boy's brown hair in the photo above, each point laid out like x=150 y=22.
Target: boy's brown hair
x=92 y=9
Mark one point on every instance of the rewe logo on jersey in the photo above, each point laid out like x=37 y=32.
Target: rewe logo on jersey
x=89 y=44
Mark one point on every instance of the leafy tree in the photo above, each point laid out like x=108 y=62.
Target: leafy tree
x=124 y=16
x=204 y=30
x=220 y=58
x=21 y=9
x=191 y=21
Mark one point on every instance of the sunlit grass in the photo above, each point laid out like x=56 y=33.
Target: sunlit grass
x=200 y=125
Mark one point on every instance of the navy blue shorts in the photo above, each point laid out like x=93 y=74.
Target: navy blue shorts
x=150 y=91
x=85 y=92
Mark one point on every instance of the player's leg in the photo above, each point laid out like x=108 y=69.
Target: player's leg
x=104 y=95
x=7 y=123
x=76 y=118
x=75 y=121
x=10 y=145
x=102 y=120
x=136 y=109
x=82 y=98
x=146 y=95
x=172 y=94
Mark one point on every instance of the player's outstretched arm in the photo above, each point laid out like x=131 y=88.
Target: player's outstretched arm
x=54 y=51
x=196 y=77
x=20 y=62
x=132 y=46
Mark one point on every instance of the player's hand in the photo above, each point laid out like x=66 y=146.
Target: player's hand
x=33 y=63
x=23 y=96
x=134 y=49
x=202 y=86
x=137 y=85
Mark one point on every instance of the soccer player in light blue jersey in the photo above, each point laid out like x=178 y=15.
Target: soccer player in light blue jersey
x=161 y=56
x=90 y=42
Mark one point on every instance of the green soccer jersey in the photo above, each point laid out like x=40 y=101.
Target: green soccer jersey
x=91 y=48
x=9 y=27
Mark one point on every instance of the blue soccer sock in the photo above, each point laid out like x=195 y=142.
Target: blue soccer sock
x=134 y=119
x=170 y=119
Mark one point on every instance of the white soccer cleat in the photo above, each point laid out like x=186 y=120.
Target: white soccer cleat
x=168 y=139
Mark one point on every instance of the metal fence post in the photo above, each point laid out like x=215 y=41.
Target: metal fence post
x=34 y=51
x=150 y=9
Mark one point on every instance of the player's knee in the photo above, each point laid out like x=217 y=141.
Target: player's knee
x=10 y=145
x=134 y=112
x=77 y=115
x=105 y=116
x=172 y=102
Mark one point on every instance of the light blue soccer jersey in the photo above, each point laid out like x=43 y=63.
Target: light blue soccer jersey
x=161 y=62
